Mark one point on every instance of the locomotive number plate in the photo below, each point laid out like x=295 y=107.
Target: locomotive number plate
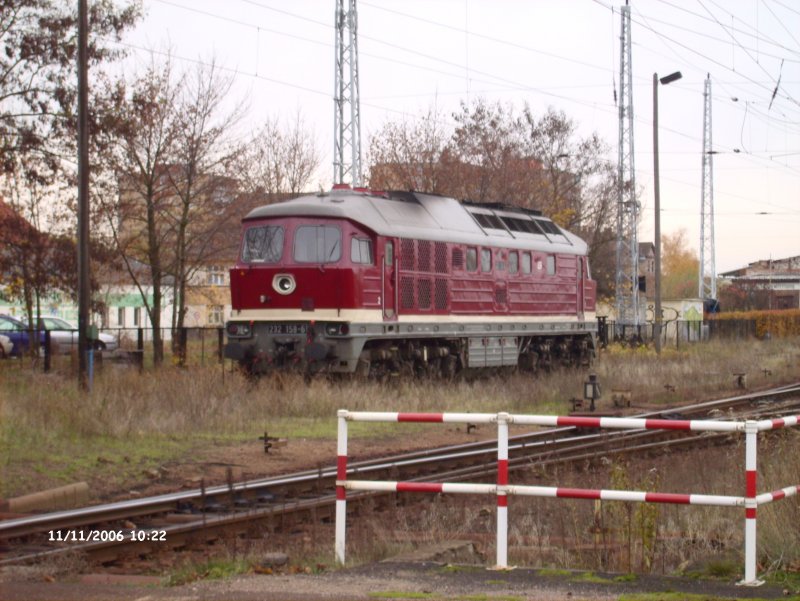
x=288 y=329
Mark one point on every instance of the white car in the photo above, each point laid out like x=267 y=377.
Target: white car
x=64 y=336
x=5 y=346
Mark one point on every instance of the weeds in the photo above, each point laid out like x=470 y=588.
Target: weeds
x=215 y=569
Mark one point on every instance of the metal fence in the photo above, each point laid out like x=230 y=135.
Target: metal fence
x=678 y=332
x=134 y=347
x=199 y=346
x=503 y=489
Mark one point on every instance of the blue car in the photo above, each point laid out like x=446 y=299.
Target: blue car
x=17 y=332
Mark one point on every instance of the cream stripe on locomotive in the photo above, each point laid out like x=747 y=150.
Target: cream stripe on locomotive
x=376 y=316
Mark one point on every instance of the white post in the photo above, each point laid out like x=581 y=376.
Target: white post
x=341 y=476
x=750 y=504
x=502 y=497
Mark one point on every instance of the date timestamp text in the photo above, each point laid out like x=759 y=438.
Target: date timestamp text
x=103 y=536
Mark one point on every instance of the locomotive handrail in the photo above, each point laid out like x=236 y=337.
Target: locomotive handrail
x=750 y=500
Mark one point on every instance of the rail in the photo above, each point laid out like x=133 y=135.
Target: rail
x=750 y=501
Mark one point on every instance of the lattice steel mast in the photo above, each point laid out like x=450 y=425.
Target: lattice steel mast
x=708 y=272
x=347 y=111
x=627 y=275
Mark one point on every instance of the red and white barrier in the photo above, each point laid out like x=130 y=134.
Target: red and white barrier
x=750 y=501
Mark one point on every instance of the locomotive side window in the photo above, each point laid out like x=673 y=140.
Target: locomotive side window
x=317 y=244
x=361 y=251
x=551 y=265
x=513 y=262
x=388 y=254
x=526 y=263
x=472 y=259
x=263 y=244
x=486 y=260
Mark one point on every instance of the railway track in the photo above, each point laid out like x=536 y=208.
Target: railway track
x=178 y=520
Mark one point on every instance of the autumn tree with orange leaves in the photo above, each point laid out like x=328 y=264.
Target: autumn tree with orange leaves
x=680 y=266
x=491 y=153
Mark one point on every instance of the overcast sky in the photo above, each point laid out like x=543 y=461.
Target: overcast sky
x=559 y=53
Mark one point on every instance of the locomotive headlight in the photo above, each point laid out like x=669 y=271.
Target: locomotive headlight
x=283 y=283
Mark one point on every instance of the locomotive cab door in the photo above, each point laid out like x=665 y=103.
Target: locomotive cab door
x=389 y=279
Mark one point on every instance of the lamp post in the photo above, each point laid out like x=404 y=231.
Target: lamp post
x=657 y=193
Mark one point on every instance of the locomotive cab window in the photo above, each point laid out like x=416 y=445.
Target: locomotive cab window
x=263 y=244
x=317 y=244
x=472 y=259
x=551 y=265
x=361 y=251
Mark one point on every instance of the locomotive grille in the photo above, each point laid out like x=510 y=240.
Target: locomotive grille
x=440 y=294
x=440 y=257
x=406 y=292
x=423 y=255
x=407 y=254
x=424 y=293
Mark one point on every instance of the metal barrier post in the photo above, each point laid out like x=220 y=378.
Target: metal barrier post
x=750 y=504
x=341 y=476
x=502 y=496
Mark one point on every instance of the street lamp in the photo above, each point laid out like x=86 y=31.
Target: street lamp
x=657 y=193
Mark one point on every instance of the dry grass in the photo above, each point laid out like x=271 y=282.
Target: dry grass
x=615 y=536
x=51 y=433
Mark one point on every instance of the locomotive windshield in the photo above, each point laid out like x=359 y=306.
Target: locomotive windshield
x=317 y=244
x=263 y=244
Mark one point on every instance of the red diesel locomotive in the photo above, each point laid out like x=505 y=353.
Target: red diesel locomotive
x=403 y=282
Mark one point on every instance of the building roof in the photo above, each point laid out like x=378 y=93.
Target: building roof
x=766 y=266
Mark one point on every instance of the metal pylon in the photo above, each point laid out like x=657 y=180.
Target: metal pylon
x=708 y=272
x=347 y=111
x=627 y=274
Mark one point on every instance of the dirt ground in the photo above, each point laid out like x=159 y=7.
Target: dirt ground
x=400 y=578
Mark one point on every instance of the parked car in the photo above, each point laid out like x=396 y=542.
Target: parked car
x=64 y=336
x=17 y=331
x=5 y=346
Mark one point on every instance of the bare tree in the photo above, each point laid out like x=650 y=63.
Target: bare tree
x=204 y=151
x=300 y=155
x=38 y=48
x=278 y=161
x=410 y=154
x=139 y=145
x=575 y=185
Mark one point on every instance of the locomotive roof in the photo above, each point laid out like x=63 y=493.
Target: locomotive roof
x=431 y=217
